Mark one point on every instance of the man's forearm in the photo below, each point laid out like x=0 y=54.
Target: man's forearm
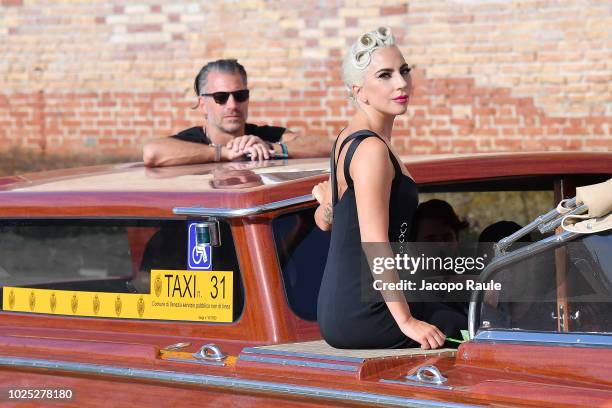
x=167 y=151
x=302 y=146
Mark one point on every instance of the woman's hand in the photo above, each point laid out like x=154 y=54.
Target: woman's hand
x=322 y=192
x=428 y=335
x=324 y=213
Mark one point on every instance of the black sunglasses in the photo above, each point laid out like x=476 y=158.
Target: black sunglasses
x=222 y=97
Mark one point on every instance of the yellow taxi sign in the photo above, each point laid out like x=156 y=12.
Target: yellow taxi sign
x=174 y=295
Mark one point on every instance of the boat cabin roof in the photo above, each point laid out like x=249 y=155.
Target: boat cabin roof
x=155 y=191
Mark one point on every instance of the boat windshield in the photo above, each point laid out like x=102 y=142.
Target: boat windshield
x=563 y=289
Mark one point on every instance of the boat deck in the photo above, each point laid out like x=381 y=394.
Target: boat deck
x=319 y=349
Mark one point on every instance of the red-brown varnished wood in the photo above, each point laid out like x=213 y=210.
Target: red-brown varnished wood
x=378 y=367
x=583 y=364
x=260 y=250
x=481 y=373
x=106 y=392
x=472 y=382
x=160 y=203
x=516 y=393
x=470 y=167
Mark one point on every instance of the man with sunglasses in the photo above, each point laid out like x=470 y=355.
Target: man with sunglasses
x=223 y=98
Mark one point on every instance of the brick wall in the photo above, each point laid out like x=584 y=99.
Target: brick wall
x=491 y=75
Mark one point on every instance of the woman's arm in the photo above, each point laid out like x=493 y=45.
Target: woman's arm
x=372 y=173
x=324 y=212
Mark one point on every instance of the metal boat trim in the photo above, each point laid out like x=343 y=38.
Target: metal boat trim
x=545 y=338
x=257 y=350
x=298 y=363
x=417 y=384
x=226 y=383
x=241 y=212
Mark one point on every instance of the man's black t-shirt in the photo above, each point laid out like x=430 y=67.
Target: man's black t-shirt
x=266 y=133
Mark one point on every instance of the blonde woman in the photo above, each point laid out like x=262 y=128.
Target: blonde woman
x=371 y=198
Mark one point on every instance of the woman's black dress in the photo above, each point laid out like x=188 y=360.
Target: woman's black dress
x=347 y=318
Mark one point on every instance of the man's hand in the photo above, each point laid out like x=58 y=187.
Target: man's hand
x=249 y=144
x=231 y=155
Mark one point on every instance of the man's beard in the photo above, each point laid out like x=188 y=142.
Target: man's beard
x=233 y=129
x=233 y=126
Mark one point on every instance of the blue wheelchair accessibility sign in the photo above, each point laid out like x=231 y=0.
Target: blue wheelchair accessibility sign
x=197 y=258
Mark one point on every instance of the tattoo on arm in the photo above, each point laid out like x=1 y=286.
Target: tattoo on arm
x=328 y=214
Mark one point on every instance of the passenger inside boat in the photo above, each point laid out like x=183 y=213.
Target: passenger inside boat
x=494 y=233
x=436 y=228
x=500 y=312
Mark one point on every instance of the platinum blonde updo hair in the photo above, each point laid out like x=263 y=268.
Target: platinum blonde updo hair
x=359 y=55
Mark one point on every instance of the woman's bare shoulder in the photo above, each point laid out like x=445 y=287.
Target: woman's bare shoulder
x=371 y=159
x=372 y=148
x=349 y=131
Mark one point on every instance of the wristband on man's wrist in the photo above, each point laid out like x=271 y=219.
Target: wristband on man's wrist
x=285 y=151
x=217 y=151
